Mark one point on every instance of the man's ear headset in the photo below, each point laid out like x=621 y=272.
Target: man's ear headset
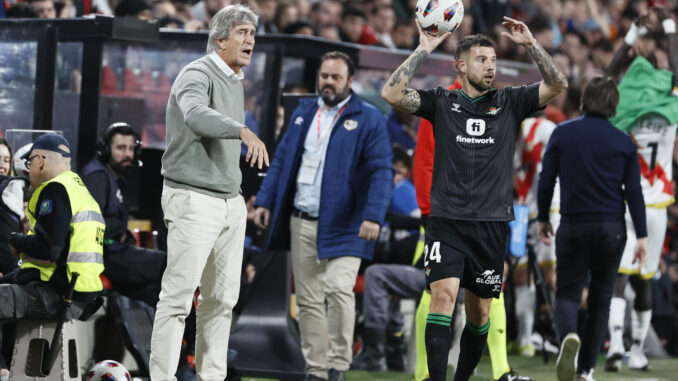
x=104 y=144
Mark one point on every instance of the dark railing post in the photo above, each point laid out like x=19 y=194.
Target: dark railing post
x=44 y=77
x=89 y=100
x=269 y=116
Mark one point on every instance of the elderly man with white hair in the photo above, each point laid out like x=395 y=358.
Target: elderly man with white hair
x=204 y=211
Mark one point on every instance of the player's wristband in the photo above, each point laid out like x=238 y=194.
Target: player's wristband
x=669 y=26
x=631 y=35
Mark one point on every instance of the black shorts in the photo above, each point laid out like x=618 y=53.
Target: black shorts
x=472 y=251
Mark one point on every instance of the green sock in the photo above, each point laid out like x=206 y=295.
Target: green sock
x=473 y=340
x=438 y=343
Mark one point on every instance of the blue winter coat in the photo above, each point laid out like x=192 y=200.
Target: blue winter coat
x=356 y=185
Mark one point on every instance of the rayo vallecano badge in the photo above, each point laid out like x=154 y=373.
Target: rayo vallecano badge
x=350 y=124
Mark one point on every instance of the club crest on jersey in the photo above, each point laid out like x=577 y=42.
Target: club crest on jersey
x=475 y=127
x=493 y=111
x=350 y=124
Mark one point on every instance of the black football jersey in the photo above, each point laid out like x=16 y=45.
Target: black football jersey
x=474 y=147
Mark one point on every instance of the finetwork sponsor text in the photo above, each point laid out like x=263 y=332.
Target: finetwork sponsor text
x=463 y=139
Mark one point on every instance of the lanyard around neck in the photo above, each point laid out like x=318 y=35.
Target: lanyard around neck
x=319 y=116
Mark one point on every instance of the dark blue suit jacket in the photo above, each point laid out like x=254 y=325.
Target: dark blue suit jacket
x=356 y=186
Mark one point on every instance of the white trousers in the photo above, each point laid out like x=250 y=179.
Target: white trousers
x=204 y=249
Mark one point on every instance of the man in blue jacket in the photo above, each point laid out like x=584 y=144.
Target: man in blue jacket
x=324 y=199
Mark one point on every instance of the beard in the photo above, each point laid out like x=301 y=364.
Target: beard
x=479 y=84
x=121 y=167
x=331 y=97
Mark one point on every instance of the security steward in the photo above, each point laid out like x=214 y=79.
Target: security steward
x=66 y=236
x=134 y=271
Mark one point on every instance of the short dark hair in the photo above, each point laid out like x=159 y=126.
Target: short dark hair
x=21 y=11
x=121 y=128
x=540 y=22
x=353 y=12
x=167 y=20
x=337 y=55
x=400 y=155
x=600 y=97
x=468 y=42
x=579 y=36
x=603 y=44
x=130 y=8
x=296 y=26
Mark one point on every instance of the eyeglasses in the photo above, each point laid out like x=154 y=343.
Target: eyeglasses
x=28 y=161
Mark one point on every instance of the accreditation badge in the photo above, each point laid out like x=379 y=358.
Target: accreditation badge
x=309 y=168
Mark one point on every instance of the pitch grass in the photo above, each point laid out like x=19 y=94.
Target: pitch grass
x=662 y=370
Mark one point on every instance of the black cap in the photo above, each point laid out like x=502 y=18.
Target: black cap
x=50 y=142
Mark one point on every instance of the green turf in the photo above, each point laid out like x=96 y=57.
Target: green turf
x=662 y=370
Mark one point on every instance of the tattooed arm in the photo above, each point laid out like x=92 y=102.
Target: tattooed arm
x=395 y=90
x=553 y=80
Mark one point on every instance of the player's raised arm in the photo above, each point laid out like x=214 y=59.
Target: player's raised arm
x=669 y=27
x=622 y=57
x=395 y=90
x=553 y=79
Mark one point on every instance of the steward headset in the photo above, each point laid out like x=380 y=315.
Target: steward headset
x=122 y=128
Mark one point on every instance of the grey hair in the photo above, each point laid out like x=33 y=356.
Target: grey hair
x=227 y=18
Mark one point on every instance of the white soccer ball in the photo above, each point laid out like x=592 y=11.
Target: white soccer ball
x=439 y=16
x=108 y=370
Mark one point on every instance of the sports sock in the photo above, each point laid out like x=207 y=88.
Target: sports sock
x=438 y=342
x=421 y=370
x=616 y=325
x=640 y=324
x=496 y=338
x=525 y=299
x=472 y=344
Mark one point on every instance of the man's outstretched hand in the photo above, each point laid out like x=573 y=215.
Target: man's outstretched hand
x=519 y=33
x=256 y=149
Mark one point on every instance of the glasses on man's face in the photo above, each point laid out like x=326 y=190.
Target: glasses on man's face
x=28 y=161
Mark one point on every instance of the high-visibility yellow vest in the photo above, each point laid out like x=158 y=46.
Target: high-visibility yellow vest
x=86 y=237
x=421 y=243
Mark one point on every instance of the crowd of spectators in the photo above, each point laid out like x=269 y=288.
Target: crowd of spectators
x=581 y=35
